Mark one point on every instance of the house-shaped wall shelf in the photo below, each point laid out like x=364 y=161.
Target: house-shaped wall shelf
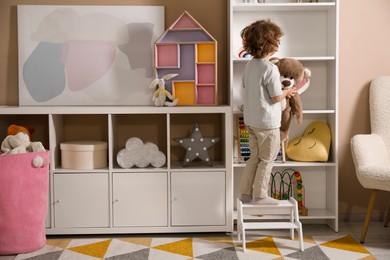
x=187 y=49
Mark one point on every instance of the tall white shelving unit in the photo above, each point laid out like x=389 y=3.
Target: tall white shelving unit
x=196 y=198
x=311 y=36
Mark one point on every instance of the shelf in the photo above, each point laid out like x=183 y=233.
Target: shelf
x=60 y=170
x=283 y=7
x=75 y=192
x=79 y=110
x=310 y=36
x=311 y=111
x=198 y=166
x=302 y=58
x=292 y=164
x=134 y=169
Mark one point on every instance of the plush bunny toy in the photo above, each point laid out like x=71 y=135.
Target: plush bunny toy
x=160 y=95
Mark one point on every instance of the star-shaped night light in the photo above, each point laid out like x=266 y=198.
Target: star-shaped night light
x=196 y=146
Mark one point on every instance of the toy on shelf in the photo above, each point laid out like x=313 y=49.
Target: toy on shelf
x=282 y=188
x=312 y=146
x=140 y=154
x=14 y=129
x=292 y=75
x=196 y=146
x=18 y=140
x=188 y=50
x=242 y=53
x=243 y=137
x=160 y=95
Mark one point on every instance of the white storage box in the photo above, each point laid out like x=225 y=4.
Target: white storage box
x=84 y=155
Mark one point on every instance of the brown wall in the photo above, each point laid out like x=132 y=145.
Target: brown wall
x=364 y=55
x=213 y=19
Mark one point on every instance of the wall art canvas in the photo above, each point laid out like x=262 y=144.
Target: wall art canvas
x=87 y=55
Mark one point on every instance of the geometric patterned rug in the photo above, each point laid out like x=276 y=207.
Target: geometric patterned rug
x=208 y=248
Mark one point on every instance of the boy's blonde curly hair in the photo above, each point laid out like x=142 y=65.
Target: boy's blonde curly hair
x=261 y=38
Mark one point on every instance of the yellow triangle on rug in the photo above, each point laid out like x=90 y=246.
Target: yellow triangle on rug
x=266 y=245
x=346 y=243
x=95 y=249
x=182 y=247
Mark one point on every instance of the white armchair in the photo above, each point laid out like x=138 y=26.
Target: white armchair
x=370 y=152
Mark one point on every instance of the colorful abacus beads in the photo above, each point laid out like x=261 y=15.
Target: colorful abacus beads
x=298 y=178
x=244 y=140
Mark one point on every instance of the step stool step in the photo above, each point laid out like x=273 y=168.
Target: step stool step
x=283 y=208
x=270 y=225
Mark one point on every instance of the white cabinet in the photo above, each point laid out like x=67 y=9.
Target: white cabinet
x=311 y=36
x=135 y=200
x=198 y=198
x=140 y=199
x=81 y=200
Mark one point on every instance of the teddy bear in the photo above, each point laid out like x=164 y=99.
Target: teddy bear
x=292 y=74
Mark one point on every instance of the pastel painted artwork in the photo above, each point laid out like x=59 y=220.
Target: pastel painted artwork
x=87 y=55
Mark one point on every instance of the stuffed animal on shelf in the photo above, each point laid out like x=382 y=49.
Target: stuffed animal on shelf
x=160 y=95
x=14 y=129
x=18 y=140
x=313 y=145
x=292 y=75
x=20 y=143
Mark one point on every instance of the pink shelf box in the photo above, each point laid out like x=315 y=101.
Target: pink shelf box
x=167 y=56
x=205 y=94
x=205 y=73
x=185 y=22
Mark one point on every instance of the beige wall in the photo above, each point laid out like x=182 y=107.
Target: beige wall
x=364 y=55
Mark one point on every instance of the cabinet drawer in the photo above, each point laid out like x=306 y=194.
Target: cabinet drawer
x=198 y=198
x=81 y=200
x=140 y=199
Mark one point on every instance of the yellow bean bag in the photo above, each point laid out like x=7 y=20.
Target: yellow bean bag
x=312 y=146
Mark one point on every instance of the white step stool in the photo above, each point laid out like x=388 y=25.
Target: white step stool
x=287 y=208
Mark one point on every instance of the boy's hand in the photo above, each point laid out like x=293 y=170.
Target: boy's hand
x=290 y=92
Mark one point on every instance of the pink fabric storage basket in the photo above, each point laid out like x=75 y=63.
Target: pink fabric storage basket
x=23 y=202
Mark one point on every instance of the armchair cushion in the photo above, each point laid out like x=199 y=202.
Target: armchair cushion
x=371 y=161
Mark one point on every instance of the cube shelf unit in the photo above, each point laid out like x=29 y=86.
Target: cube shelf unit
x=311 y=36
x=188 y=50
x=196 y=198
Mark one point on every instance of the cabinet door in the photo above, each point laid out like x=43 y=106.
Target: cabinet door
x=140 y=199
x=81 y=200
x=198 y=198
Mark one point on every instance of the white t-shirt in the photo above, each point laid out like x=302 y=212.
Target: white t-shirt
x=262 y=82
